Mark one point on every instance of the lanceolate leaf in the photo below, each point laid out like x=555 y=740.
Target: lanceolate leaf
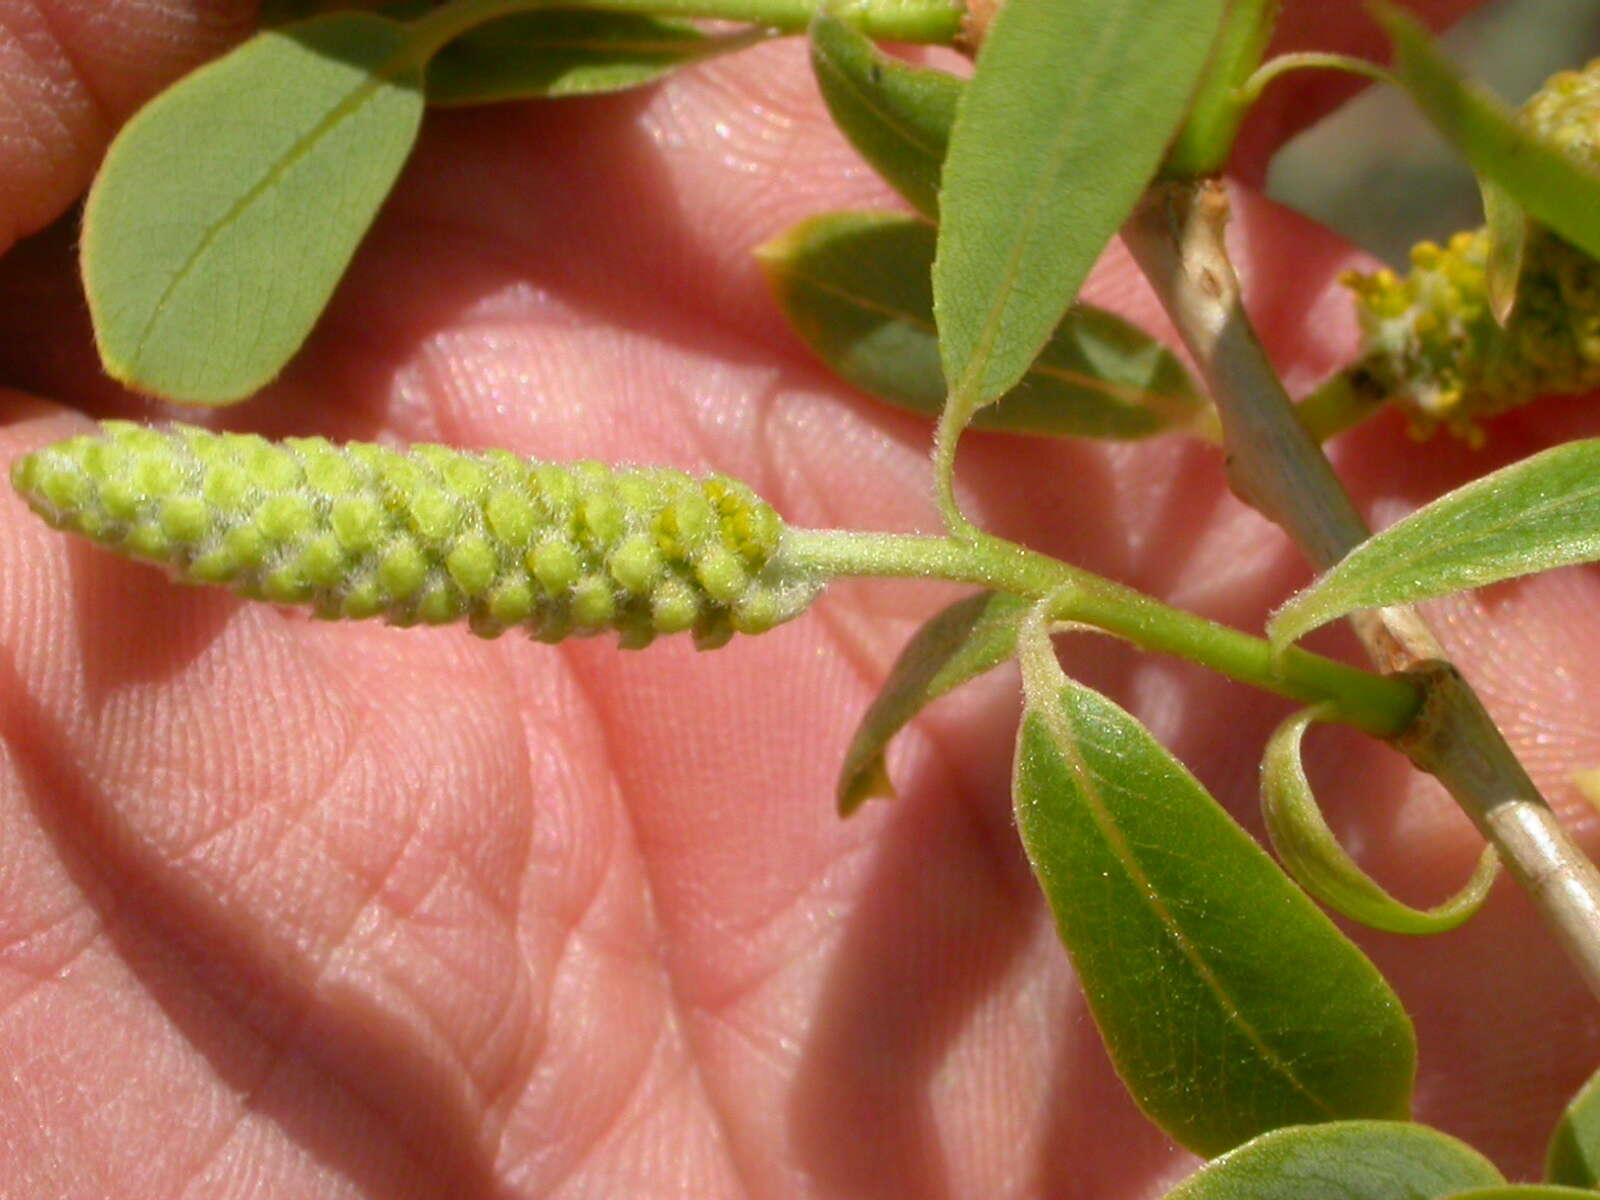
x=568 y=52
x=1311 y=853
x=1229 y=1003
x=1062 y=125
x=1342 y=1160
x=898 y=116
x=1540 y=513
x=1574 y=1154
x=228 y=208
x=958 y=644
x=855 y=287
x=1554 y=187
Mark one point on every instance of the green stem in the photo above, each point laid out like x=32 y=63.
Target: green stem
x=1380 y=705
x=1340 y=402
x=892 y=20
x=1206 y=139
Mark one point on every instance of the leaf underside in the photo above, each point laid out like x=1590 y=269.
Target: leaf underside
x=960 y=643
x=1312 y=854
x=898 y=116
x=228 y=208
x=855 y=286
x=568 y=52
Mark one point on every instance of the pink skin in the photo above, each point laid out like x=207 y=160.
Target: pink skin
x=294 y=909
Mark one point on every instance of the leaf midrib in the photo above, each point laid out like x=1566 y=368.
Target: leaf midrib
x=1444 y=542
x=1065 y=738
x=1033 y=212
x=402 y=59
x=1126 y=393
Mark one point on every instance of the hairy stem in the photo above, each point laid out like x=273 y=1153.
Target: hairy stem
x=1381 y=706
x=1176 y=235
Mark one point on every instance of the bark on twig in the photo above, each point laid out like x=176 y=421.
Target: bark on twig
x=1274 y=464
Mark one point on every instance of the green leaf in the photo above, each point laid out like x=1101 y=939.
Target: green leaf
x=228 y=208
x=1574 y=1154
x=855 y=287
x=1219 y=106
x=569 y=52
x=1311 y=853
x=1536 y=514
x=1553 y=186
x=1063 y=123
x=1229 y=1003
x=1524 y=1191
x=1343 y=1160
x=1507 y=227
x=958 y=644
x=898 y=116
x=282 y=12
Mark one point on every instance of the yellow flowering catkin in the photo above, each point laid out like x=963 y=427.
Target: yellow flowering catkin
x=428 y=534
x=1432 y=343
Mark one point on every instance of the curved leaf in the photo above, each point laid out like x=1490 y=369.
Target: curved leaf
x=1313 y=856
x=1573 y=1157
x=227 y=209
x=898 y=116
x=1554 y=187
x=1536 y=514
x=1343 y=1160
x=1064 y=121
x=855 y=287
x=1229 y=1003
x=568 y=52
x=960 y=643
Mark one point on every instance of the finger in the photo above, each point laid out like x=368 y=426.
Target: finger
x=283 y=867
x=74 y=70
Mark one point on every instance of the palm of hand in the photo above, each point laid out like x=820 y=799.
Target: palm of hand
x=346 y=910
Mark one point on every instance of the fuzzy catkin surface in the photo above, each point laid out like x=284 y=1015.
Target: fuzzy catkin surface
x=428 y=534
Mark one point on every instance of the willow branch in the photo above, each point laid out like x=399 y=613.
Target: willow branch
x=1275 y=465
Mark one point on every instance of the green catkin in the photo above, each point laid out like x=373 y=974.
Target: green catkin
x=1431 y=340
x=429 y=535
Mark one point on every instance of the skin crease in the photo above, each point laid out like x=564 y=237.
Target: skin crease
x=296 y=909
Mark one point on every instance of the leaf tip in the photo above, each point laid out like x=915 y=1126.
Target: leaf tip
x=1281 y=632
x=863 y=782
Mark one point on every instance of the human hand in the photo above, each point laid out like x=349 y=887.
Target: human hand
x=297 y=909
